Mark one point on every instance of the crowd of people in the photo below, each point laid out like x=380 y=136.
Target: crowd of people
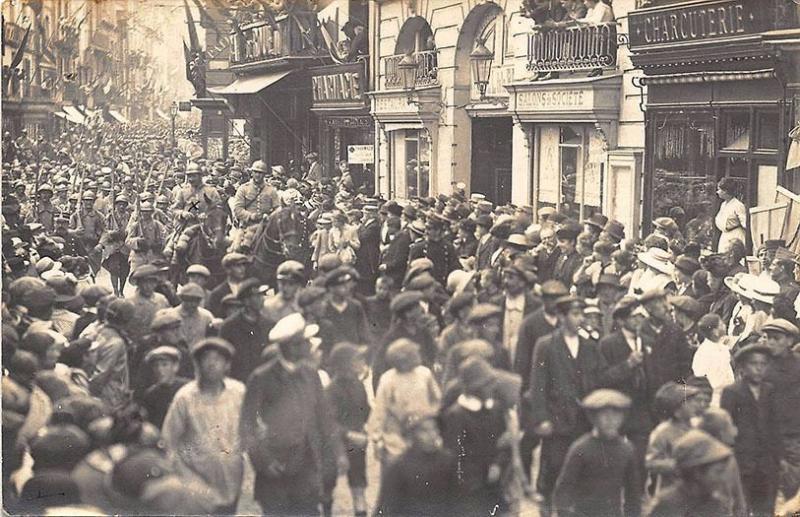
x=482 y=356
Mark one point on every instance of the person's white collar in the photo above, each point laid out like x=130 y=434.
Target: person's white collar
x=474 y=404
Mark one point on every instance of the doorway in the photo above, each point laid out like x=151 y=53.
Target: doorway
x=491 y=158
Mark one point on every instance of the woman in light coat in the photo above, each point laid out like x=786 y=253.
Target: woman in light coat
x=731 y=219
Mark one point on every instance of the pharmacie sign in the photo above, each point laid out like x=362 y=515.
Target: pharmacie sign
x=698 y=21
x=338 y=85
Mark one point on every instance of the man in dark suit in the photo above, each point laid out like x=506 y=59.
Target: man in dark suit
x=395 y=257
x=756 y=446
x=487 y=244
x=666 y=354
x=368 y=256
x=536 y=325
x=516 y=302
x=567 y=366
x=622 y=352
x=438 y=249
x=569 y=260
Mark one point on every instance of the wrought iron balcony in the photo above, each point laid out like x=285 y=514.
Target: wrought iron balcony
x=567 y=49
x=427 y=73
x=288 y=36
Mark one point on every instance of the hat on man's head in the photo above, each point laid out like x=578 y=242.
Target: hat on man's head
x=421 y=282
x=163 y=352
x=404 y=301
x=688 y=306
x=697 y=448
x=165 y=319
x=596 y=220
x=754 y=348
x=671 y=395
x=781 y=326
x=652 y=294
x=234 y=258
x=658 y=259
x=191 y=290
x=625 y=307
x=568 y=301
x=686 y=264
x=213 y=343
x=605 y=398
x=292 y=327
x=554 y=289
x=329 y=262
x=483 y=311
x=340 y=275
x=518 y=241
x=476 y=373
x=525 y=267
x=250 y=287
x=666 y=224
x=569 y=230
x=460 y=301
x=291 y=270
x=309 y=295
x=145 y=271
x=198 y=269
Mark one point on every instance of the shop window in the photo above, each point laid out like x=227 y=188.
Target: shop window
x=736 y=131
x=417 y=163
x=767 y=127
x=568 y=180
x=683 y=164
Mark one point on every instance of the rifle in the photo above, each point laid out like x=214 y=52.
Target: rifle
x=79 y=207
x=112 y=222
x=35 y=211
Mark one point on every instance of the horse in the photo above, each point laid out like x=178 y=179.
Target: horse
x=283 y=236
x=204 y=242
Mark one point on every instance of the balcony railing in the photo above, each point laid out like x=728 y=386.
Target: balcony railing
x=427 y=73
x=572 y=48
x=294 y=36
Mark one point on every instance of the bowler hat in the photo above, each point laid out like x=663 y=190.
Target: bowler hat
x=553 y=289
x=596 y=220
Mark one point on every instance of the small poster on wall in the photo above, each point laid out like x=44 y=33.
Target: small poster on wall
x=359 y=154
x=214 y=149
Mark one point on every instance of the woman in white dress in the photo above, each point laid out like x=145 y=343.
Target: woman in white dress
x=731 y=219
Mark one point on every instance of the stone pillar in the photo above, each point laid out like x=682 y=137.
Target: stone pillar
x=522 y=163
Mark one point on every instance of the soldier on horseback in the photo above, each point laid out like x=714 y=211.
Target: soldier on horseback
x=253 y=201
x=193 y=197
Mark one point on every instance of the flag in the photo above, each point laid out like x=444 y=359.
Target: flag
x=194 y=41
x=205 y=19
x=21 y=50
x=187 y=56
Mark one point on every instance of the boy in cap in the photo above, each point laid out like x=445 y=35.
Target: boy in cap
x=700 y=462
x=566 y=368
x=146 y=300
x=164 y=362
x=754 y=446
x=783 y=409
x=348 y=396
x=600 y=470
x=195 y=320
x=472 y=427
x=343 y=310
x=247 y=329
x=290 y=278
x=680 y=403
x=201 y=428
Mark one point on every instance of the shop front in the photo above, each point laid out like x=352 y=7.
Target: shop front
x=408 y=129
x=716 y=105
x=569 y=126
x=346 y=129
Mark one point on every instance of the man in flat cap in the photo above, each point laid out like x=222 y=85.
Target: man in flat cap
x=287 y=427
x=201 y=429
x=290 y=277
x=195 y=320
x=343 y=310
x=755 y=447
x=247 y=329
x=566 y=368
x=235 y=266
x=784 y=411
x=164 y=362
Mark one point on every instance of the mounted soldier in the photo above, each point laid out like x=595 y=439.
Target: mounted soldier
x=253 y=202
x=145 y=237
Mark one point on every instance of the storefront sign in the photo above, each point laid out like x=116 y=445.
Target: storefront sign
x=338 y=85
x=551 y=100
x=348 y=122
x=393 y=104
x=359 y=154
x=696 y=22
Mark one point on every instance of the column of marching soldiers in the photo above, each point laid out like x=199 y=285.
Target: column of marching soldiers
x=170 y=323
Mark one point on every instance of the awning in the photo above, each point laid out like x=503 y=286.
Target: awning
x=73 y=115
x=250 y=84
x=119 y=117
x=709 y=77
